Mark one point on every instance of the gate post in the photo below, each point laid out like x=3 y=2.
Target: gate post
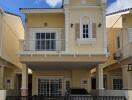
x=2 y=94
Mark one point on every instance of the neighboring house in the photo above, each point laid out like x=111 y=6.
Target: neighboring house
x=11 y=31
x=119 y=65
x=62 y=45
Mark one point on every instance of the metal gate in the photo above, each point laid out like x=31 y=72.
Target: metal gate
x=66 y=98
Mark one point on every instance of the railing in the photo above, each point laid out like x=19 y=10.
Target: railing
x=66 y=98
x=42 y=45
x=124 y=52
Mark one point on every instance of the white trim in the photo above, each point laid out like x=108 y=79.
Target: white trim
x=66 y=30
x=85 y=7
x=81 y=26
x=43 y=53
x=25 y=11
x=33 y=31
x=87 y=41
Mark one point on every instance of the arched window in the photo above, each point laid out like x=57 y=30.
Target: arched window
x=85 y=27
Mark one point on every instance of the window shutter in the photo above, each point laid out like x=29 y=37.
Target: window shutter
x=94 y=30
x=77 y=30
x=62 y=39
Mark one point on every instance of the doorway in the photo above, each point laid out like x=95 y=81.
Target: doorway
x=50 y=87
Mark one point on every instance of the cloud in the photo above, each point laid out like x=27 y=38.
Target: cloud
x=38 y=1
x=119 y=5
x=51 y=3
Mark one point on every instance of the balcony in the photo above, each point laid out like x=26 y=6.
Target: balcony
x=124 y=52
x=46 y=45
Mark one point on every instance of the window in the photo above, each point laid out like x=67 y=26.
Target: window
x=50 y=87
x=67 y=84
x=117 y=84
x=46 y=41
x=118 y=42
x=85 y=31
x=84 y=84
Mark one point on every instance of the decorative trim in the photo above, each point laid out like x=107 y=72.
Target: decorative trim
x=87 y=41
x=81 y=28
x=42 y=10
x=84 y=7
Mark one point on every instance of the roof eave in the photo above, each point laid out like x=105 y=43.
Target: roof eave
x=41 y=10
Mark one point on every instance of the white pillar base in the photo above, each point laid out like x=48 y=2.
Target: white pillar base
x=24 y=92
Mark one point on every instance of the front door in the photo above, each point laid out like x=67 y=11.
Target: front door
x=50 y=87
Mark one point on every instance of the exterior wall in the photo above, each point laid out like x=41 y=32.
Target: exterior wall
x=112 y=43
x=8 y=78
x=117 y=73
x=74 y=46
x=119 y=28
x=91 y=50
x=2 y=94
x=75 y=75
x=11 y=30
x=127 y=21
x=117 y=25
x=57 y=21
x=84 y=2
x=10 y=38
x=114 y=21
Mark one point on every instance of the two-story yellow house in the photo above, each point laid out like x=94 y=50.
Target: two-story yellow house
x=11 y=31
x=62 y=45
x=119 y=64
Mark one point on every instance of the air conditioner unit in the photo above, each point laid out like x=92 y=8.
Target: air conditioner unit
x=117 y=55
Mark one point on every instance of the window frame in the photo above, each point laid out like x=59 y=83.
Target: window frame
x=89 y=27
x=45 y=39
x=118 y=42
x=118 y=78
x=32 y=37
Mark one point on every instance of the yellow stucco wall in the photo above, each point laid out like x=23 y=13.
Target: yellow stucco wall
x=74 y=17
x=117 y=26
x=75 y=75
x=10 y=36
x=127 y=20
x=57 y=21
x=117 y=30
x=114 y=74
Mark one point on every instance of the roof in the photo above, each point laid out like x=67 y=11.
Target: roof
x=2 y=11
x=12 y=14
x=36 y=8
x=42 y=10
x=120 y=11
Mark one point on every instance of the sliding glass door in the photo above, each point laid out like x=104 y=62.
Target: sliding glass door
x=50 y=87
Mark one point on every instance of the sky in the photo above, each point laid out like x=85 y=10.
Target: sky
x=14 y=5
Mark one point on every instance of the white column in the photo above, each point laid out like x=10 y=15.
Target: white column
x=66 y=28
x=1 y=77
x=103 y=5
x=99 y=79
x=127 y=78
x=24 y=89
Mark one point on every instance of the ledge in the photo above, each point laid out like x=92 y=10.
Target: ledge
x=87 y=41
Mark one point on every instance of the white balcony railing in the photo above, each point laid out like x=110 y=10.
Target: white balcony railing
x=124 y=52
x=42 y=45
